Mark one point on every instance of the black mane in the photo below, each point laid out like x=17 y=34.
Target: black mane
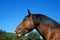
x=37 y=18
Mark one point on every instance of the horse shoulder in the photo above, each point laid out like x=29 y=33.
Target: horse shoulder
x=55 y=34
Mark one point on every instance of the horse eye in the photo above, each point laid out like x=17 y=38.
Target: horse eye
x=20 y=28
x=25 y=19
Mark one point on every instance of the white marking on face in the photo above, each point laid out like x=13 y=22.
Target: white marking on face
x=28 y=22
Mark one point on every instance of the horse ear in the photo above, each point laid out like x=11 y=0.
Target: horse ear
x=29 y=13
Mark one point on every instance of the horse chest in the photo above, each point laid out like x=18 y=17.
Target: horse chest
x=53 y=34
x=49 y=33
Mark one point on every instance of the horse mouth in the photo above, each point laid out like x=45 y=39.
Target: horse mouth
x=19 y=35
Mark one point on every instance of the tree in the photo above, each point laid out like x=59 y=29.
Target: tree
x=4 y=36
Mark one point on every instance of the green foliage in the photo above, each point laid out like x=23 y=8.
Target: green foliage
x=11 y=36
x=4 y=36
x=32 y=36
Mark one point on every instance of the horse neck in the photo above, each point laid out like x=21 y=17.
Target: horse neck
x=43 y=30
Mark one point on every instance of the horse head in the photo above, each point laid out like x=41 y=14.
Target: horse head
x=25 y=26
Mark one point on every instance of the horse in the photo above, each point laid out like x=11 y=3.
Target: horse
x=47 y=27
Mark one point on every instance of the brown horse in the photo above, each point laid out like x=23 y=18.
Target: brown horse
x=47 y=27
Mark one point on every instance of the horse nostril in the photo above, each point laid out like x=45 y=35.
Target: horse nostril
x=15 y=31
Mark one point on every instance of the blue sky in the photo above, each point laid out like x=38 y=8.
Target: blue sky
x=12 y=12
